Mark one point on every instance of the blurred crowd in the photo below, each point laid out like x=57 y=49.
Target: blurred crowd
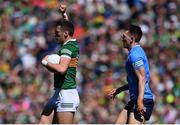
x=27 y=35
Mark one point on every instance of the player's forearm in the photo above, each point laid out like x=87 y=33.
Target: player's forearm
x=56 y=68
x=65 y=16
x=122 y=88
x=141 y=87
x=49 y=69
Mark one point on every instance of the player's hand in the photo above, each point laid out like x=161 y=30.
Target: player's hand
x=62 y=8
x=126 y=38
x=112 y=93
x=140 y=107
x=44 y=60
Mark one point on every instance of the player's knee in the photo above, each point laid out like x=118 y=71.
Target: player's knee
x=122 y=118
x=42 y=121
x=46 y=119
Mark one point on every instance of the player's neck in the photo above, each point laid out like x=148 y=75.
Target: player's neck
x=133 y=45
x=67 y=39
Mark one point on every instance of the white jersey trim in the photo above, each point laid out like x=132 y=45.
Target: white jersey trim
x=69 y=40
x=66 y=56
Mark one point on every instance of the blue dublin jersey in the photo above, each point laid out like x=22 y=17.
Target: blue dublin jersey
x=136 y=59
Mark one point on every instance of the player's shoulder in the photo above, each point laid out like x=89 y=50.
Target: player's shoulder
x=137 y=50
x=71 y=44
x=136 y=53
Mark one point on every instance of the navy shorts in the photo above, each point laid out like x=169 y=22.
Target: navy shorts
x=132 y=107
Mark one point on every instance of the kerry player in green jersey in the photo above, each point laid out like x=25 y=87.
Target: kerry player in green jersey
x=63 y=104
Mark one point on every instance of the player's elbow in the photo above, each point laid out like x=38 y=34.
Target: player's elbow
x=143 y=80
x=62 y=70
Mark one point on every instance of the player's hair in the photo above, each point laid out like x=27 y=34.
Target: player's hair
x=66 y=26
x=136 y=31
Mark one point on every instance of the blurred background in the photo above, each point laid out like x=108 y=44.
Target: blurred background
x=26 y=35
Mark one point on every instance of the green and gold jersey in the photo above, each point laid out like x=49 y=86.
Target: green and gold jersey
x=68 y=80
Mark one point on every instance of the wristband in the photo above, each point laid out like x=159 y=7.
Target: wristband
x=44 y=62
x=64 y=14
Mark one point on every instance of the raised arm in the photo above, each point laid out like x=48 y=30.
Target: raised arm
x=62 y=9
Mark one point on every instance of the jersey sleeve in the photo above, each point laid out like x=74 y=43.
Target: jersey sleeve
x=67 y=51
x=137 y=61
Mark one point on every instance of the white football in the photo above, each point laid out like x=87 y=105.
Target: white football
x=53 y=58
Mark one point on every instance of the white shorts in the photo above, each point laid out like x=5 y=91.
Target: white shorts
x=66 y=100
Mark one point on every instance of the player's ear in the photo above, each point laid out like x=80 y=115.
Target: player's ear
x=66 y=34
x=132 y=39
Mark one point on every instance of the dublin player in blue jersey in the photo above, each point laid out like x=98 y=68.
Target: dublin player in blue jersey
x=139 y=108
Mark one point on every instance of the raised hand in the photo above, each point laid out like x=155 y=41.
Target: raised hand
x=62 y=8
x=112 y=93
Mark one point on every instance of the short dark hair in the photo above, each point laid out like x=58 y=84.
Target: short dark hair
x=66 y=26
x=136 y=31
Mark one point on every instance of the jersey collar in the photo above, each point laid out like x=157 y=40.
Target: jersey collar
x=134 y=47
x=69 y=40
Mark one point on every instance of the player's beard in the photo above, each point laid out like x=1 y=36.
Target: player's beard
x=125 y=45
x=58 y=41
x=57 y=38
